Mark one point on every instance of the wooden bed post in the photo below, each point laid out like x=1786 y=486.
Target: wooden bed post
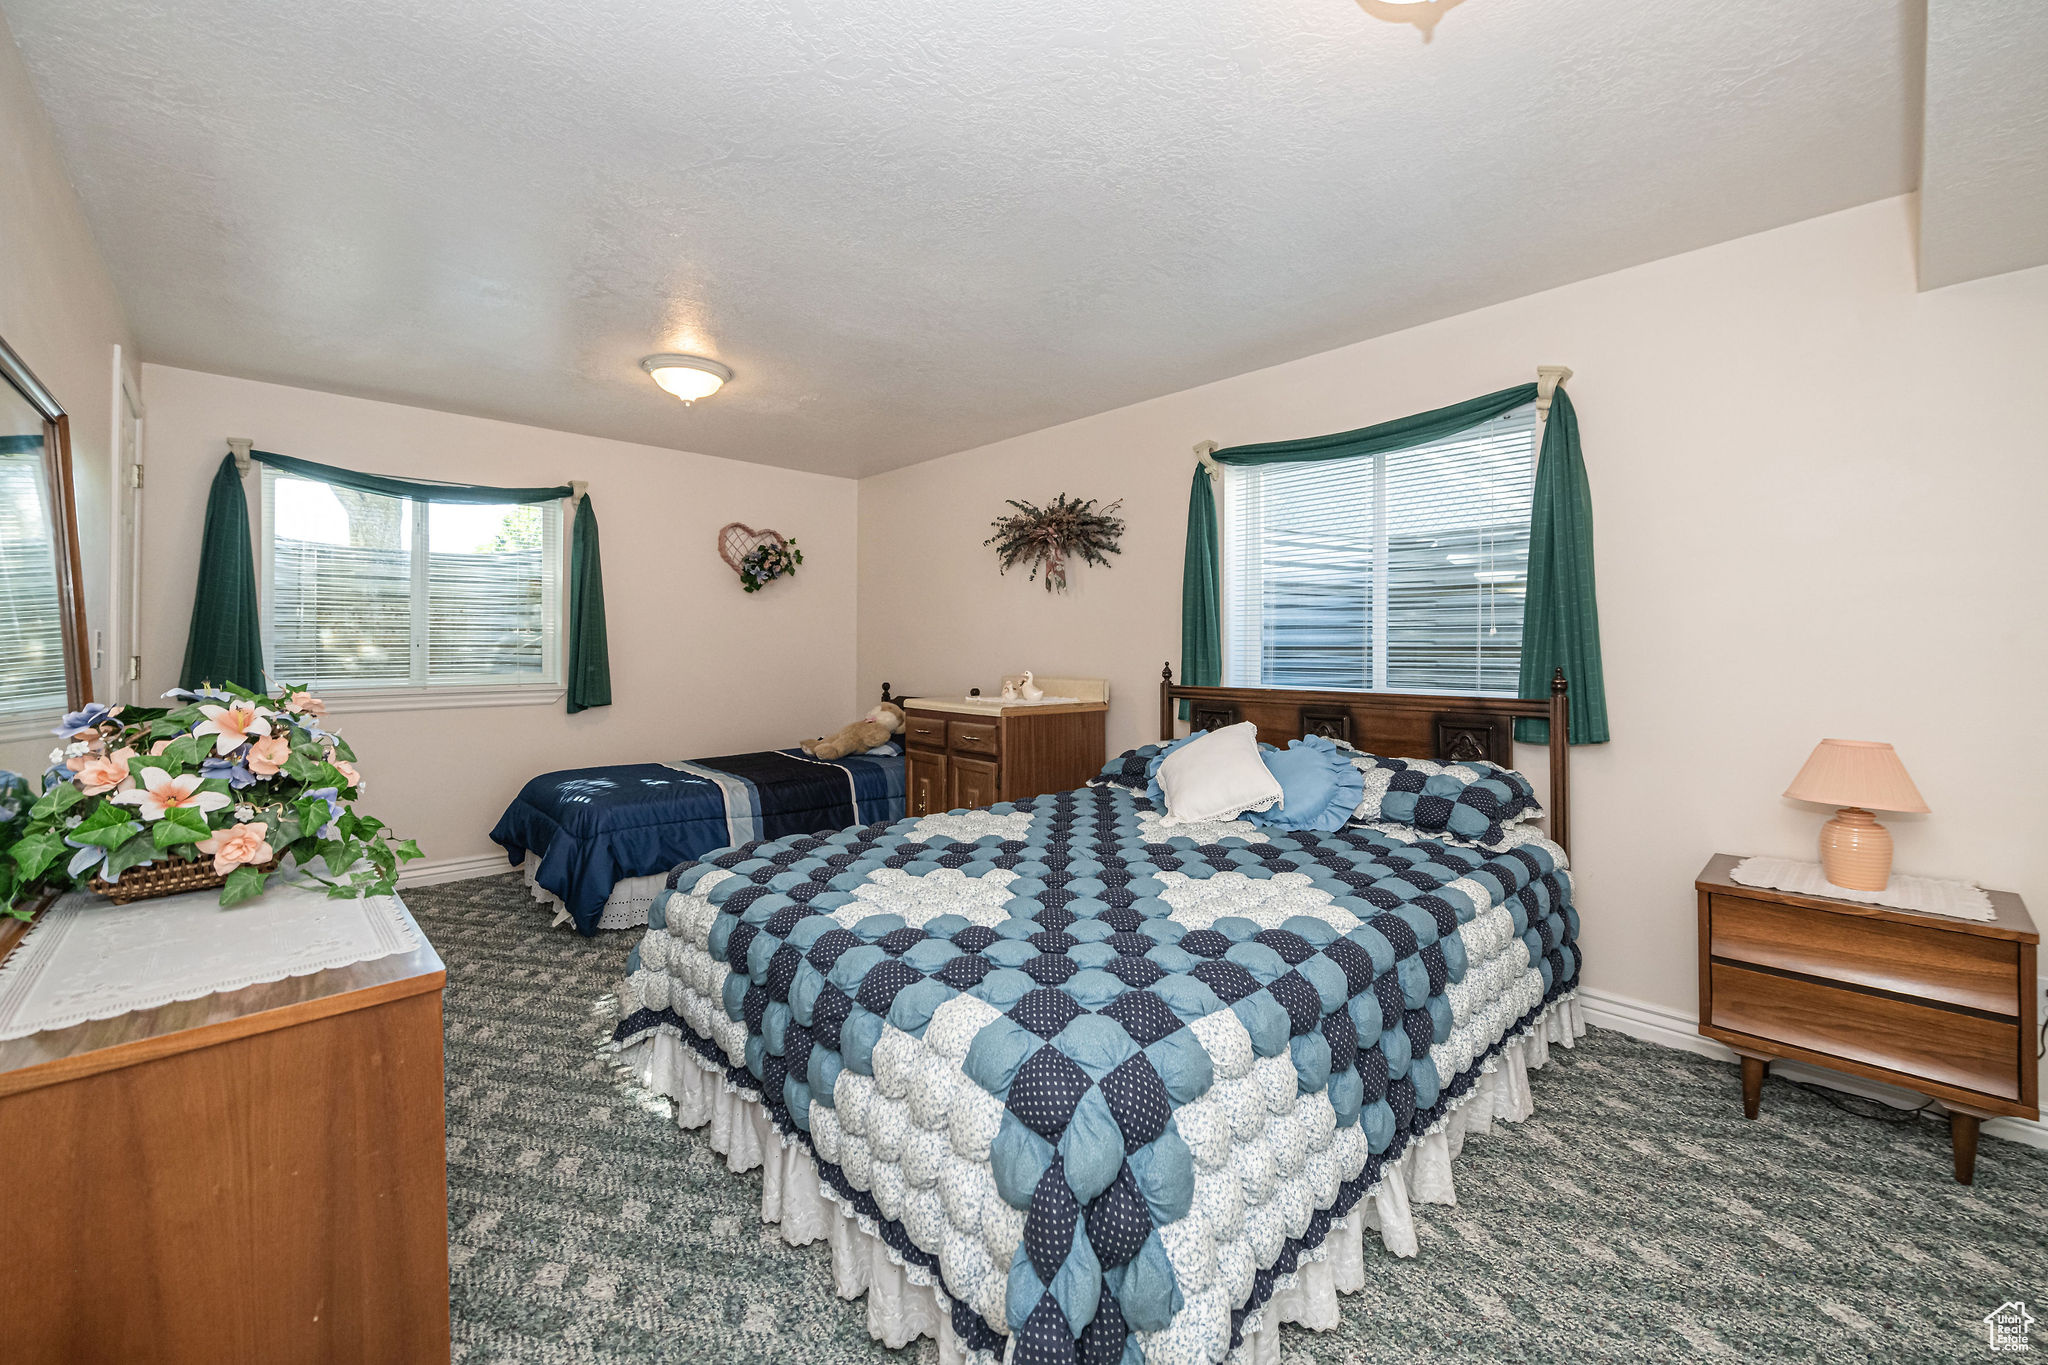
x=1560 y=764
x=1166 y=703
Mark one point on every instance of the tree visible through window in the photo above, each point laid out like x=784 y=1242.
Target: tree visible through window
x=363 y=589
x=1402 y=572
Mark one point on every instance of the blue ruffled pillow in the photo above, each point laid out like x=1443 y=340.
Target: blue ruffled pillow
x=1320 y=789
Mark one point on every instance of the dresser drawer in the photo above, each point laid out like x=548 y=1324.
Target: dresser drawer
x=976 y=737
x=1933 y=964
x=923 y=731
x=1965 y=1050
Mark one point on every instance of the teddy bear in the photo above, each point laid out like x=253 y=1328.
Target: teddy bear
x=874 y=728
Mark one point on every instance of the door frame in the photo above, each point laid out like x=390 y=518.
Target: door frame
x=124 y=542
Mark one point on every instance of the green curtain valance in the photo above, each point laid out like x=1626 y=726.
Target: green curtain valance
x=1561 y=622
x=426 y=490
x=1398 y=434
x=225 y=643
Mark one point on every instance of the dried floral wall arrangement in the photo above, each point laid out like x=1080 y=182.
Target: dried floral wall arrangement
x=1047 y=537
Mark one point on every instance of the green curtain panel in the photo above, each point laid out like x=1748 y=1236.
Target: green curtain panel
x=1201 y=593
x=1561 y=620
x=423 y=489
x=590 y=667
x=1561 y=626
x=224 y=644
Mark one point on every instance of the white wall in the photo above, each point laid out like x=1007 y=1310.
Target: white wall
x=698 y=666
x=59 y=313
x=1818 y=498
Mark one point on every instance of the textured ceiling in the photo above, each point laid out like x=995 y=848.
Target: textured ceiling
x=1984 y=178
x=910 y=226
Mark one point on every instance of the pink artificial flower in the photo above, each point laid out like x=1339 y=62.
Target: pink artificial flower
x=267 y=757
x=103 y=773
x=161 y=793
x=305 y=704
x=348 y=771
x=236 y=845
x=156 y=750
x=233 y=726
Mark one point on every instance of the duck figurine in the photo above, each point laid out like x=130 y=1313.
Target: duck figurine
x=1030 y=691
x=1009 y=689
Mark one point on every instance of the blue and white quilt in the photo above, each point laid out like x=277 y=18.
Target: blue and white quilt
x=1107 y=1080
x=595 y=827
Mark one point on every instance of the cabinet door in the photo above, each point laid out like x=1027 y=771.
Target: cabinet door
x=974 y=782
x=925 y=779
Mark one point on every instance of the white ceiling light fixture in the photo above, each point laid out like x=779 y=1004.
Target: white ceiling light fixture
x=688 y=377
x=1424 y=14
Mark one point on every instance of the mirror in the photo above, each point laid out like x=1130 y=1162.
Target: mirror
x=43 y=667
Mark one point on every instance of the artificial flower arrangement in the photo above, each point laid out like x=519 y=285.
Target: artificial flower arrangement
x=230 y=777
x=769 y=561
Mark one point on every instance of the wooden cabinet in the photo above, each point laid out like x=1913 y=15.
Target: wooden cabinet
x=1942 y=1006
x=927 y=792
x=251 y=1177
x=966 y=761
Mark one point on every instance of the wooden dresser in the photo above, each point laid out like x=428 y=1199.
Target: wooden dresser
x=257 y=1177
x=1937 y=1005
x=967 y=753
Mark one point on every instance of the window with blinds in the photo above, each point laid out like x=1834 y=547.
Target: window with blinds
x=1403 y=572
x=31 y=624
x=366 y=590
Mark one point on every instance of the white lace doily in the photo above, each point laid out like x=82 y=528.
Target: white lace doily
x=87 y=958
x=1929 y=895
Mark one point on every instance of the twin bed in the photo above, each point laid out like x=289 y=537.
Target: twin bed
x=598 y=843
x=1059 y=1081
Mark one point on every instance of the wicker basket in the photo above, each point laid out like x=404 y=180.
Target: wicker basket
x=168 y=878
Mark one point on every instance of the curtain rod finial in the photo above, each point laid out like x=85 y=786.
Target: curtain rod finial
x=1203 y=450
x=1548 y=377
x=577 y=489
x=239 y=447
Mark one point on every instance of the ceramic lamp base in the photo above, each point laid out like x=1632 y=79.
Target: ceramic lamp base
x=1856 y=851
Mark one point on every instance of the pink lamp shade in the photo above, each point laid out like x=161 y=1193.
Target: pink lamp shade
x=1859 y=775
x=1856 y=772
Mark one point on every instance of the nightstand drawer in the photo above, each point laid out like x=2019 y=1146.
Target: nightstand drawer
x=1965 y=1050
x=926 y=732
x=975 y=737
x=1934 y=964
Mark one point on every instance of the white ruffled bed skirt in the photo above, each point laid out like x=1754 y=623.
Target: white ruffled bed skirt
x=627 y=907
x=903 y=1301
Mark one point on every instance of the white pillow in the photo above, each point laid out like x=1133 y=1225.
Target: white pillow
x=1217 y=777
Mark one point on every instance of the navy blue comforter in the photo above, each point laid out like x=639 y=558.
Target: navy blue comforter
x=594 y=827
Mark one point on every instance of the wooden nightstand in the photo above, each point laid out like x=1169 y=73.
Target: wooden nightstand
x=1937 y=1005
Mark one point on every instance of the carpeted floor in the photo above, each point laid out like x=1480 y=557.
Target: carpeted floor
x=1636 y=1217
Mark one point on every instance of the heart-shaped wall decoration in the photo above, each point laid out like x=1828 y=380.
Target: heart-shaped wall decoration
x=737 y=541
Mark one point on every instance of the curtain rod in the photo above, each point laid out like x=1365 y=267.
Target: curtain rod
x=241 y=447
x=1548 y=377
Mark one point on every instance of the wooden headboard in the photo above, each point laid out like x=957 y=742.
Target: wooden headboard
x=1397 y=724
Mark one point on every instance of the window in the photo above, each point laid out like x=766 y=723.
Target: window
x=364 y=590
x=31 y=622
x=1402 y=572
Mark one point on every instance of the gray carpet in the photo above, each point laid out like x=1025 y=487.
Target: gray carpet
x=1636 y=1217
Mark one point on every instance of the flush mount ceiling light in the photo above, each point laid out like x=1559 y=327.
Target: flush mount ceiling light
x=688 y=377
x=1424 y=14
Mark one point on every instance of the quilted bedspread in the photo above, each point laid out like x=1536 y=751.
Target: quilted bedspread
x=1106 y=1079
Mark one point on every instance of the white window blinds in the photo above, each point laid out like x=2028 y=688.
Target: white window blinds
x=1402 y=572
x=367 y=590
x=31 y=627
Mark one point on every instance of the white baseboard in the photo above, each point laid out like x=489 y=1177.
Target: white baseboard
x=434 y=871
x=1674 y=1029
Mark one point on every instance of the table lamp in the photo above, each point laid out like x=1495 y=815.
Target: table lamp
x=1858 y=775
